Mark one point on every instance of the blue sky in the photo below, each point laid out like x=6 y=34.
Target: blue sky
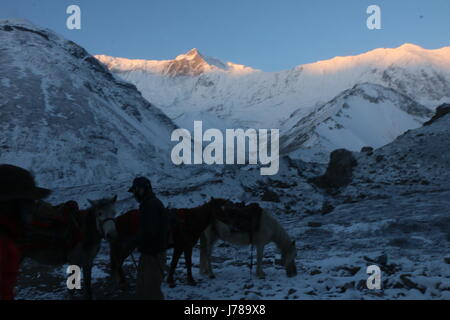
x=265 y=34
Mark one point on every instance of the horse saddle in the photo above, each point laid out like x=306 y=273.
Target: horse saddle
x=128 y=224
x=61 y=222
x=240 y=217
x=179 y=218
x=175 y=217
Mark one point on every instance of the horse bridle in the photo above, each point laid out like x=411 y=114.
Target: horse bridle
x=102 y=223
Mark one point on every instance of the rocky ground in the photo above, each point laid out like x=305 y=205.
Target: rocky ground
x=408 y=239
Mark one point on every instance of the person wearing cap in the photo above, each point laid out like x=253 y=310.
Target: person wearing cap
x=151 y=241
x=18 y=193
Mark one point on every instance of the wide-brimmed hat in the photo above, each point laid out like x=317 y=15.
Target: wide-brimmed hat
x=140 y=182
x=17 y=183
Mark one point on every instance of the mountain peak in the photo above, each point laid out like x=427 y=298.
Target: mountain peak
x=193 y=52
x=192 y=63
x=190 y=55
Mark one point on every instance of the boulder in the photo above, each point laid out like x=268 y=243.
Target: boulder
x=367 y=150
x=270 y=196
x=440 y=112
x=339 y=171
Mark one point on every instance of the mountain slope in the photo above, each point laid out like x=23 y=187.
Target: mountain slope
x=366 y=115
x=67 y=118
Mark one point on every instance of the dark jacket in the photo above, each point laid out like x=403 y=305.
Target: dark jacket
x=10 y=256
x=154 y=227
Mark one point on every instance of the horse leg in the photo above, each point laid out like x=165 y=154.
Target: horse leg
x=87 y=274
x=207 y=240
x=114 y=261
x=120 y=255
x=173 y=265
x=209 y=248
x=188 y=259
x=203 y=260
x=124 y=253
x=120 y=273
x=164 y=264
x=259 y=256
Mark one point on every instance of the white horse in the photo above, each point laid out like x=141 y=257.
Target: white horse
x=269 y=231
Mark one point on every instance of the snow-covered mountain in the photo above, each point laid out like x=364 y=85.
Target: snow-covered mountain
x=198 y=89
x=366 y=115
x=193 y=63
x=67 y=118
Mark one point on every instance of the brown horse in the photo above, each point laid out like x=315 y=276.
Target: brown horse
x=186 y=227
x=71 y=237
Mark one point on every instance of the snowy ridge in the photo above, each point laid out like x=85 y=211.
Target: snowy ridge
x=270 y=100
x=419 y=73
x=192 y=63
x=407 y=54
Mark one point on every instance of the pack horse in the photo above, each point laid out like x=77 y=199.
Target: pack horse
x=65 y=235
x=247 y=225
